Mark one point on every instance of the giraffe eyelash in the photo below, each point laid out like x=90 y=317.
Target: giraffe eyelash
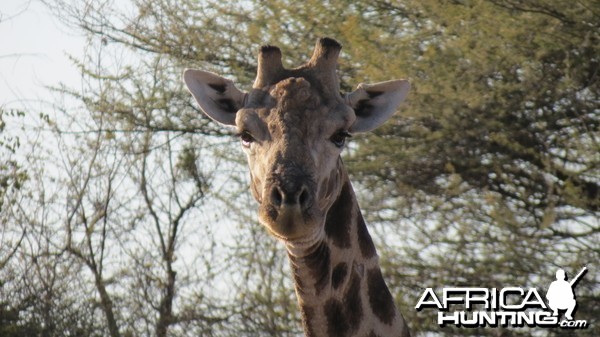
x=339 y=138
x=245 y=137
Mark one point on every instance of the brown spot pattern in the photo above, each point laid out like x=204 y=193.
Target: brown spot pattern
x=353 y=303
x=337 y=323
x=341 y=209
x=318 y=263
x=307 y=314
x=338 y=275
x=367 y=248
x=344 y=318
x=380 y=297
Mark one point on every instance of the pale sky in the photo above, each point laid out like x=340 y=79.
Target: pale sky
x=33 y=54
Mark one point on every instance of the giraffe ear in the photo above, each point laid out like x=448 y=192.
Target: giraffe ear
x=375 y=103
x=218 y=97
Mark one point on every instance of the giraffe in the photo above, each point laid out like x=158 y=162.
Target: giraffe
x=293 y=125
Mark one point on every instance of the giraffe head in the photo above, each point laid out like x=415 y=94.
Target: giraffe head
x=293 y=125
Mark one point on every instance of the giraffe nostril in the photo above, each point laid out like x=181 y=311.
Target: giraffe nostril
x=293 y=196
x=276 y=196
x=304 y=198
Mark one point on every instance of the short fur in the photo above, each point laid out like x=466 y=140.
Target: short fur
x=293 y=125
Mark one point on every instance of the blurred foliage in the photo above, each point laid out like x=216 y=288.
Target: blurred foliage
x=11 y=174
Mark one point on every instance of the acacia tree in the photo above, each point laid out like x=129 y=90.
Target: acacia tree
x=495 y=164
x=12 y=177
x=111 y=220
x=120 y=239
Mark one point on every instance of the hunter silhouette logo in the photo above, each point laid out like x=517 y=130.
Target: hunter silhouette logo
x=561 y=295
x=509 y=306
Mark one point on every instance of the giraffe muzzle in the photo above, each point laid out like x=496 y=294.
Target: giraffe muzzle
x=288 y=209
x=296 y=196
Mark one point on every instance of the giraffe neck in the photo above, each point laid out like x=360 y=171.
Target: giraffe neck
x=338 y=282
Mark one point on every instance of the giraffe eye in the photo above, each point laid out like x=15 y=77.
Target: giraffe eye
x=339 y=138
x=246 y=138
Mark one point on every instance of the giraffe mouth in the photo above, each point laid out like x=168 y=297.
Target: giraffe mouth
x=299 y=246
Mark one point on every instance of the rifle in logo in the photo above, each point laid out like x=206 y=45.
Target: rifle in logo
x=560 y=294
